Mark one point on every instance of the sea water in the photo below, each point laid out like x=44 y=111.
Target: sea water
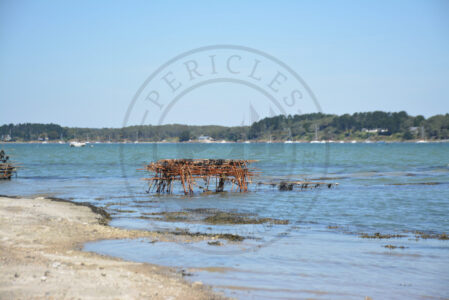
x=382 y=188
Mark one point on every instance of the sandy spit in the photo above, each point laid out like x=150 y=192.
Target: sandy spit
x=41 y=257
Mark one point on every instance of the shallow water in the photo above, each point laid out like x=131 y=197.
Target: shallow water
x=319 y=254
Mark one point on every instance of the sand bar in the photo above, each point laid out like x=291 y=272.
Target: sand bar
x=41 y=257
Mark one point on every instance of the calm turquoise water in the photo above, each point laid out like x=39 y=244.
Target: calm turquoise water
x=379 y=191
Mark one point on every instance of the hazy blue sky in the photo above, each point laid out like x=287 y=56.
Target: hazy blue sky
x=79 y=63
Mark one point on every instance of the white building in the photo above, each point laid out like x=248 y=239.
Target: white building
x=205 y=139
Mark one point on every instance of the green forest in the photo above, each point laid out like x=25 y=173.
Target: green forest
x=375 y=125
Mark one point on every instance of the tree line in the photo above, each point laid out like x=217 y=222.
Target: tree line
x=375 y=125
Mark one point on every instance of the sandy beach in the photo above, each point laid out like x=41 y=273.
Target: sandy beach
x=41 y=257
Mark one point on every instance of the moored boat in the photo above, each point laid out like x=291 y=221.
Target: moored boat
x=77 y=144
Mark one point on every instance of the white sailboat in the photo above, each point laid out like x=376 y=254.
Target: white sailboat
x=289 y=139
x=423 y=139
x=316 y=141
x=61 y=140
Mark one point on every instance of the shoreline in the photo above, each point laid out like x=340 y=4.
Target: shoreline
x=41 y=256
x=351 y=141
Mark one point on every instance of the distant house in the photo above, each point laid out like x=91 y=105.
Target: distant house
x=205 y=139
x=414 y=129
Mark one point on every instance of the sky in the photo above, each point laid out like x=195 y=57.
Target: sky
x=80 y=63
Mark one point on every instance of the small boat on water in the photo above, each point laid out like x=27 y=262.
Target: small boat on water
x=77 y=144
x=423 y=137
x=316 y=140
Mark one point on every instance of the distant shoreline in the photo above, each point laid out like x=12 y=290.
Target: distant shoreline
x=239 y=142
x=368 y=126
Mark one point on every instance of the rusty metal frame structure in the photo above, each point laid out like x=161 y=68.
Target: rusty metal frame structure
x=7 y=170
x=166 y=172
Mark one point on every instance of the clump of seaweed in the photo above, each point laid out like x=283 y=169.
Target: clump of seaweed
x=171 y=216
x=230 y=237
x=185 y=273
x=393 y=247
x=150 y=218
x=379 y=235
x=443 y=236
x=233 y=218
x=215 y=243
x=212 y=216
x=285 y=186
x=425 y=236
x=225 y=236
x=125 y=210
x=203 y=210
x=176 y=216
x=416 y=183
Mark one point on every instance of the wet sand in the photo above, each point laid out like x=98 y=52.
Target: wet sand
x=41 y=257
